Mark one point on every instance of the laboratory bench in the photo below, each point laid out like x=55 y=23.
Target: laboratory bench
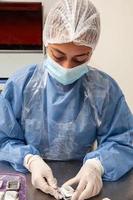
x=119 y=190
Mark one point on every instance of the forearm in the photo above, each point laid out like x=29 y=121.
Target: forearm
x=14 y=151
x=116 y=159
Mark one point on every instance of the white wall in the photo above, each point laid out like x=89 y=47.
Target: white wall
x=114 y=52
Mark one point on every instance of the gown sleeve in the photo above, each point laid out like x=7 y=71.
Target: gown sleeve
x=13 y=147
x=114 y=136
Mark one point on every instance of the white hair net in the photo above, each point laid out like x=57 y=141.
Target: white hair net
x=75 y=21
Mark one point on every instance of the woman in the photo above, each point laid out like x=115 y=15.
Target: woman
x=56 y=110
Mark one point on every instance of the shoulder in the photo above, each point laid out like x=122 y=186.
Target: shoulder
x=13 y=92
x=100 y=81
x=101 y=89
x=23 y=75
x=18 y=80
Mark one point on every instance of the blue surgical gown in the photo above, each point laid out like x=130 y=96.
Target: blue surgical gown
x=39 y=115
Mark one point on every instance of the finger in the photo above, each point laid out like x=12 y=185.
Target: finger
x=51 y=180
x=44 y=187
x=79 y=190
x=98 y=186
x=71 y=181
x=88 y=192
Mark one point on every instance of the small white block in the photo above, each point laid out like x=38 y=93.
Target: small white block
x=66 y=191
x=11 y=195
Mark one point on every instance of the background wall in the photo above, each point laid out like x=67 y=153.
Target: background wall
x=113 y=54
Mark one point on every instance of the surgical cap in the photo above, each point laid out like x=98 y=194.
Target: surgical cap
x=75 y=21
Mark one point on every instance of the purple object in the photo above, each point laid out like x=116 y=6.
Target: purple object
x=5 y=177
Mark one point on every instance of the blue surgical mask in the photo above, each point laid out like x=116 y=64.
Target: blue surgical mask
x=63 y=75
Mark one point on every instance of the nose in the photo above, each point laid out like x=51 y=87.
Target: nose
x=68 y=64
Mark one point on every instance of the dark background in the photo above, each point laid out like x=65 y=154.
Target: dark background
x=21 y=26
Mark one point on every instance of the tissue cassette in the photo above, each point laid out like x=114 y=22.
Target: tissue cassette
x=13 y=185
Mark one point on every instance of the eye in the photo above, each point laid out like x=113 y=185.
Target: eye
x=80 y=61
x=57 y=57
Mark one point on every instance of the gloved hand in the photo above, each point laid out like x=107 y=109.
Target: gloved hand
x=88 y=179
x=41 y=175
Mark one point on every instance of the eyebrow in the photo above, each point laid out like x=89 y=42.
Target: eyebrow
x=58 y=51
x=84 y=54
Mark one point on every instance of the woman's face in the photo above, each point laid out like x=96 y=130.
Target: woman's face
x=69 y=55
